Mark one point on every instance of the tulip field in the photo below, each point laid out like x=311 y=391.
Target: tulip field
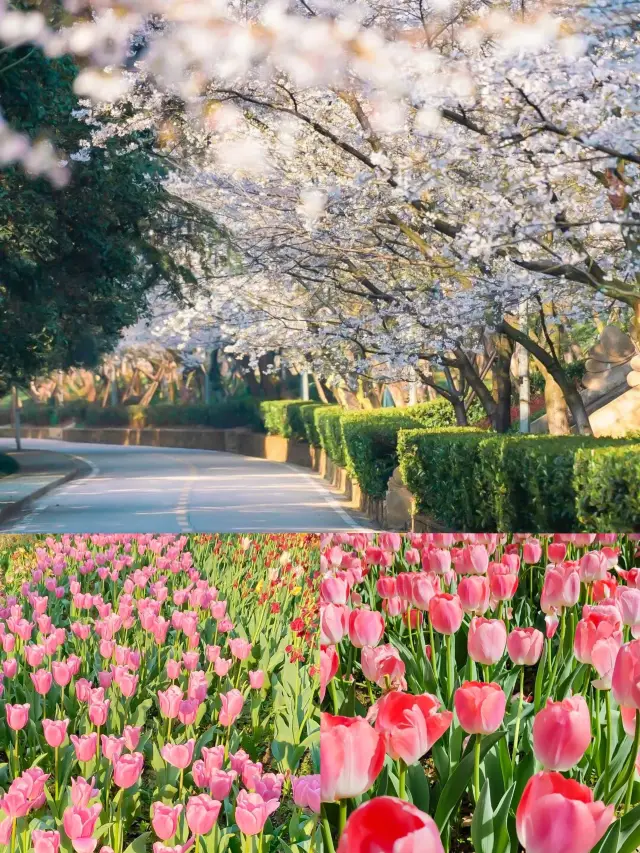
x=159 y=693
x=480 y=692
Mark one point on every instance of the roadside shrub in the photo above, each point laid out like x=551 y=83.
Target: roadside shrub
x=607 y=484
x=112 y=416
x=226 y=414
x=8 y=465
x=370 y=443
x=284 y=417
x=469 y=480
x=328 y=423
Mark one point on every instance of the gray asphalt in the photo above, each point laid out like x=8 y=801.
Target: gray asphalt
x=169 y=490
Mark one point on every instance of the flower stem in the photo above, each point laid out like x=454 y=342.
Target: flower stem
x=607 y=702
x=632 y=765
x=516 y=733
x=450 y=684
x=326 y=834
x=476 y=767
x=402 y=779
x=342 y=820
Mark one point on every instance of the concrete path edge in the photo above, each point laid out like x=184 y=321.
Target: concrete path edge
x=80 y=469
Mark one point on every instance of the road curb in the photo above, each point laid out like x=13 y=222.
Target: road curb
x=13 y=509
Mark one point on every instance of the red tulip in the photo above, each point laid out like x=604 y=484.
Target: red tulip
x=562 y=733
x=557 y=552
x=409 y=724
x=480 y=707
x=351 y=756
x=555 y=813
x=389 y=825
x=487 y=640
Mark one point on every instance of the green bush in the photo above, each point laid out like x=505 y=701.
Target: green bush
x=370 y=442
x=111 y=416
x=469 y=480
x=328 y=423
x=8 y=465
x=607 y=484
x=284 y=417
x=241 y=412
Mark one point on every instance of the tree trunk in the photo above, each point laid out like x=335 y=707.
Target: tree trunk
x=501 y=371
x=569 y=390
x=460 y=411
x=556 y=405
x=474 y=379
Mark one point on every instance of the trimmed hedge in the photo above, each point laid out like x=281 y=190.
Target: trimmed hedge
x=468 y=480
x=285 y=418
x=240 y=412
x=8 y=465
x=607 y=483
x=328 y=424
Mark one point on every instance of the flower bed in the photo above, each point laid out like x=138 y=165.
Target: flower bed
x=159 y=692
x=480 y=692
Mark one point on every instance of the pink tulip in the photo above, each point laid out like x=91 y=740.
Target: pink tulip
x=389 y=825
x=351 y=756
x=561 y=587
x=473 y=592
x=17 y=716
x=55 y=731
x=42 y=680
x=45 y=841
x=593 y=566
x=531 y=551
x=252 y=812
x=178 y=755
x=366 y=627
x=131 y=736
x=202 y=813
x=169 y=701
x=480 y=707
x=99 y=712
x=409 y=724
x=557 y=552
x=562 y=733
x=62 y=673
x=306 y=792
x=240 y=649
x=334 y=623
x=256 y=679
x=383 y=666
x=112 y=747
x=79 y=825
x=625 y=681
x=127 y=769
x=525 y=645
x=445 y=612
x=82 y=791
x=555 y=813
x=232 y=703
x=487 y=640
x=85 y=746
x=164 y=819
x=220 y=783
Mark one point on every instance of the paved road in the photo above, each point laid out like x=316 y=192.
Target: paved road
x=169 y=490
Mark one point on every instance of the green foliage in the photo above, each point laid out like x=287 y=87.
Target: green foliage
x=285 y=418
x=235 y=412
x=328 y=423
x=607 y=484
x=470 y=480
x=8 y=465
x=370 y=442
x=76 y=264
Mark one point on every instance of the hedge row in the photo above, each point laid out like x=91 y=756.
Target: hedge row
x=469 y=480
x=363 y=442
x=240 y=412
